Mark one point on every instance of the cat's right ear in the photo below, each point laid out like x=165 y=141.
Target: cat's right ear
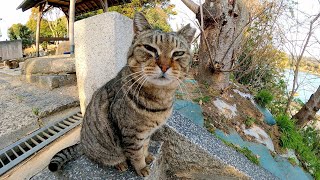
x=140 y=23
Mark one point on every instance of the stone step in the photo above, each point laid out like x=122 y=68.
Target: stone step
x=83 y=168
x=51 y=81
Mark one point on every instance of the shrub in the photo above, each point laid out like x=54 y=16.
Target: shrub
x=264 y=97
x=304 y=142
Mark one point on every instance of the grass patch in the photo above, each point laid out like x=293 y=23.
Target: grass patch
x=292 y=161
x=249 y=121
x=304 y=143
x=245 y=151
x=204 y=99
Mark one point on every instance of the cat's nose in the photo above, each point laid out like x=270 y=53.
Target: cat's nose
x=164 y=67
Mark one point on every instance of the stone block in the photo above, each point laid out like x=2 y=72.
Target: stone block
x=101 y=46
x=51 y=81
x=49 y=65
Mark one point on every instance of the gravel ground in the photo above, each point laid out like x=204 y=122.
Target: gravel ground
x=23 y=105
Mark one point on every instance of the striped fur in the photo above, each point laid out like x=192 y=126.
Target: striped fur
x=64 y=156
x=125 y=112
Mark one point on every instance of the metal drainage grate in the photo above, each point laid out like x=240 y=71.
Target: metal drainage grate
x=13 y=154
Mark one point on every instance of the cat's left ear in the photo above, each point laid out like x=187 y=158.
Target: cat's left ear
x=187 y=32
x=140 y=23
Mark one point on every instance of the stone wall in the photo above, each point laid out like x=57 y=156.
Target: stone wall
x=10 y=49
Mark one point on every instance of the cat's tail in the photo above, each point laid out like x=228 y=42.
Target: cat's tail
x=63 y=156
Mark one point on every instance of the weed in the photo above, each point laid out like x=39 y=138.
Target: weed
x=249 y=121
x=35 y=111
x=245 y=151
x=292 y=161
x=264 y=97
x=304 y=142
x=204 y=99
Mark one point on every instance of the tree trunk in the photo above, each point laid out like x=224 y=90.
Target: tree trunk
x=224 y=21
x=309 y=110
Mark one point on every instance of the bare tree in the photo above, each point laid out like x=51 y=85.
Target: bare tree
x=297 y=57
x=221 y=34
x=309 y=110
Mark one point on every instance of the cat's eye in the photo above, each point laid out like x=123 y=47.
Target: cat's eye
x=178 y=53
x=150 y=48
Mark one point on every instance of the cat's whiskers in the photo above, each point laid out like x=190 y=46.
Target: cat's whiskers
x=131 y=74
x=143 y=76
x=141 y=85
x=139 y=75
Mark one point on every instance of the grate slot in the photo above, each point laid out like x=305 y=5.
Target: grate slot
x=79 y=115
x=67 y=122
x=62 y=125
x=5 y=159
x=46 y=135
x=57 y=128
x=8 y=157
x=28 y=145
x=21 y=149
x=76 y=117
x=72 y=120
x=40 y=138
x=15 y=153
x=34 y=141
x=52 y=131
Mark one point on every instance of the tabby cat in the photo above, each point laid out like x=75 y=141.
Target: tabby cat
x=126 y=111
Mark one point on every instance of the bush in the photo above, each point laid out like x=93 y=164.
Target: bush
x=264 y=97
x=304 y=142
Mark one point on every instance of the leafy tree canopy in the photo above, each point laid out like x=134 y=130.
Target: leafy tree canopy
x=157 y=12
x=20 y=31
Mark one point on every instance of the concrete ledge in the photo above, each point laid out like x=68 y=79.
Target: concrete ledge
x=192 y=152
x=83 y=168
x=188 y=152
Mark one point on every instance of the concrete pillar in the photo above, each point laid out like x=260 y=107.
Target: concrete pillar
x=102 y=43
x=38 y=28
x=71 y=25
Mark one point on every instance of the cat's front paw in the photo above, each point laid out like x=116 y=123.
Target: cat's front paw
x=144 y=171
x=149 y=158
x=123 y=166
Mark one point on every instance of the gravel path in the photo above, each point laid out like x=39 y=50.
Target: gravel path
x=22 y=104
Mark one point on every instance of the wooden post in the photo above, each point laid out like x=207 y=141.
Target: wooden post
x=71 y=25
x=38 y=28
x=105 y=9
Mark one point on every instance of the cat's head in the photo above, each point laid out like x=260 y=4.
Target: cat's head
x=159 y=58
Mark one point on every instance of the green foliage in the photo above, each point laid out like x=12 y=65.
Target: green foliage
x=245 y=151
x=304 y=142
x=204 y=99
x=264 y=97
x=20 y=31
x=56 y=28
x=156 y=12
x=249 y=121
x=292 y=161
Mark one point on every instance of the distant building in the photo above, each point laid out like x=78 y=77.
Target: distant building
x=10 y=49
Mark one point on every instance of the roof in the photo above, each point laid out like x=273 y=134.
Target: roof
x=82 y=6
